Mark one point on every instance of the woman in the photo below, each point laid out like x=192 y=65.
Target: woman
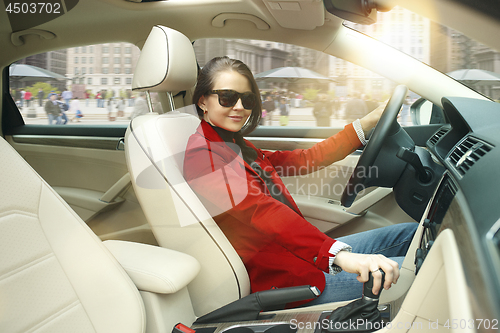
x=240 y=186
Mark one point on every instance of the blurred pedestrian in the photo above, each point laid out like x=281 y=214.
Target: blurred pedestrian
x=40 y=96
x=23 y=92
x=355 y=108
x=27 y=97
x=140 y=106
x=284 y=112
x=268 y=106
x=111 y=113
x=87 y=96
x=322 y=111
x=300 y=101
x=101 y=95
x=120 y=106
x=67 y=96
x=53 y=110
x=63 y=108
x=75 y=108
x=129 y=97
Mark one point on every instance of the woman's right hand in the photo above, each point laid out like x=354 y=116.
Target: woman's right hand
x=362 y=264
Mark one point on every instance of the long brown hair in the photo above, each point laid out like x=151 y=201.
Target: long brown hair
x=206 y=81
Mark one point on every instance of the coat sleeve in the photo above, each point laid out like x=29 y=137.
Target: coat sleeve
x=322 y=154
x=225 y=187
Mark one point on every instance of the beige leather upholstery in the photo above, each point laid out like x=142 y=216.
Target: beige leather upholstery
x=140 y=261
x=155 y=153
x=167 y=62
x=154 y=147
x=55 y=273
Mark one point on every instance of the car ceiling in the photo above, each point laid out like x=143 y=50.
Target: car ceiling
x=101 y=21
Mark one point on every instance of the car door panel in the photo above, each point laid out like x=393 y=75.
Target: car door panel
x=90 y=173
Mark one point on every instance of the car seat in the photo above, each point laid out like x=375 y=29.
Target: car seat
x=56 y=275
x=154 y=146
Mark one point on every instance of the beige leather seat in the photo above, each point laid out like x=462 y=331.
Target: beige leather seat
x=57 y=276
x=154 y=146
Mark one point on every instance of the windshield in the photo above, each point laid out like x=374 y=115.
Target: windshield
x=447 y=50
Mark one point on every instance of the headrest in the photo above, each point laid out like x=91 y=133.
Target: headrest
x=167 y=62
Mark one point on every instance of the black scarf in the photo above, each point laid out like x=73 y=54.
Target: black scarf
x=237 y=144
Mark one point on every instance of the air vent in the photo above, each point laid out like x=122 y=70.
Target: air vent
x=439 y=134
x=467 y=153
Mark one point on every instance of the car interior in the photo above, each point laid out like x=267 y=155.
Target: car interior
x=101 y=232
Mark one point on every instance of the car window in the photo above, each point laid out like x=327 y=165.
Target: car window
x=304 y=87
x=89 y=85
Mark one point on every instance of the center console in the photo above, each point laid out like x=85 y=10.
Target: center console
x=426 y=300
x=433 y=220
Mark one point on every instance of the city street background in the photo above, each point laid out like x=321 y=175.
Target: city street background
x=95 y=116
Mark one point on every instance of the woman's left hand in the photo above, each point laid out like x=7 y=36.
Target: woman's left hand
x=371 y=119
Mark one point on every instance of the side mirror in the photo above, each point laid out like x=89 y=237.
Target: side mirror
x=424 y=112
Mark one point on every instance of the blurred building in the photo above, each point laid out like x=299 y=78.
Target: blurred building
x=488 y=59
x=108 y=67
x=451 y=51
x=54 y=61
x=261 y=56
x=399 y=28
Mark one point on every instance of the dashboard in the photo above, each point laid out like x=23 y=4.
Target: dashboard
x=466 y=204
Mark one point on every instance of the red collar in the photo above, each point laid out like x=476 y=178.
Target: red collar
x=208 y=132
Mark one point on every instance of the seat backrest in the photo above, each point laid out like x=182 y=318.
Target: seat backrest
x=55 y=273
x=154 y=146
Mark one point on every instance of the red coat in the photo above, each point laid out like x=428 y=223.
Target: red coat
x=277 y=245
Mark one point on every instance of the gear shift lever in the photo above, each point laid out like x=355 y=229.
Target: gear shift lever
x=361 y=315
x=368 y=287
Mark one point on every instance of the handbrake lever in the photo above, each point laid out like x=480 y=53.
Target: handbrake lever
x=249 y=307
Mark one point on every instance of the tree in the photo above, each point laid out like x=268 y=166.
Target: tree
x=46 y=87
x=311 y=94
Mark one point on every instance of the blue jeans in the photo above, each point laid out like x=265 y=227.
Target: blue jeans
x=52 y=118
x=64 y=119
x=392 y=241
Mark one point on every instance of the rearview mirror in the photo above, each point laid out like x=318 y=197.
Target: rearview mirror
x=357 y=11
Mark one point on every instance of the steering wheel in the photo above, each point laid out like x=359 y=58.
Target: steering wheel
x=386 y=126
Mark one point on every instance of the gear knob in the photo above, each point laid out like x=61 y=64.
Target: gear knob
x=368 y=286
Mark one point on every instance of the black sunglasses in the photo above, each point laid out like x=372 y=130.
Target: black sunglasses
x=229 y=98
